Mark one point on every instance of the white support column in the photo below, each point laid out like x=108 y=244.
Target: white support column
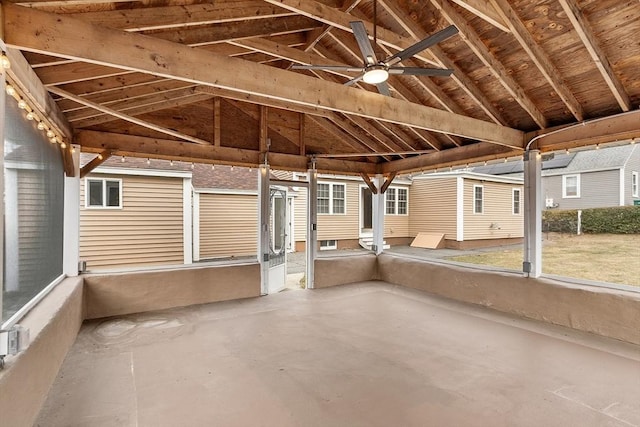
x=196 y=226
x=532 y=264
x=263 y=227
x=378 y=216
x=71 y=223
x=2 y=124
x=312 y=226
x=187 y=218
x=460 y=209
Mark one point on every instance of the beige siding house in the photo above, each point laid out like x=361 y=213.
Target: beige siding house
x=470 y=209
x=135 y=217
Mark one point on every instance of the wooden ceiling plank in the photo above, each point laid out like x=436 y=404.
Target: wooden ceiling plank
x=442 y=60
x=315 y=36
x=94 y=163
x=126 y=117
x=355 y=132
x=107 y=84
x=153 y=18
x=484 y=10
x=128 y=104
x=144 y=109
x=217 y=121
x=340 y=135
x=450 y=157
x=387 y=142
x=76 y=71
x=587 y=35
x=339 y=19
x=539 y=57
x=44 y=32
x=474 y=42
x=131 y=145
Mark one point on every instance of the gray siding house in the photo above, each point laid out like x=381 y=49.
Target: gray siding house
x=598 y=178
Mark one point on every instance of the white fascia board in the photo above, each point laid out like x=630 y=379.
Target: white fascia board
x=471 y=175
x=141 y=172
x=577 y=172
x=331 y=177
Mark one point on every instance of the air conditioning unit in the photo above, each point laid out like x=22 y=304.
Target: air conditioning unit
x=548 y=203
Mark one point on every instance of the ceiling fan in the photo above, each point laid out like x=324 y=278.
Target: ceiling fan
x=377 y=72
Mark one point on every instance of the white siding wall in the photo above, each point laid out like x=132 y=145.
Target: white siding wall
x=228 y=225
x=432 y=207
x=148 y=230
x=497 y=211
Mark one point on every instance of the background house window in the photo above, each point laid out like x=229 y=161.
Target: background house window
x=326 y=245
x=391 y=201
x=570 y=186
x=516 y=201
x=396 y=201
x=104 y=193
x=634 y=184
x=478 y=199
x=331 y=198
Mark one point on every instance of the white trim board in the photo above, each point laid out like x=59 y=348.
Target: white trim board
x=141 y=172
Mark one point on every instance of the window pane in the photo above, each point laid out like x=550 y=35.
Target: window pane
x=33 y=211
x=477 y=200
x=323 y=198
x=516 y=202
x=402 y=201
x=113 y=193
x=391 y=201
x=95 y=193
x=338 y=199
x=571 y=185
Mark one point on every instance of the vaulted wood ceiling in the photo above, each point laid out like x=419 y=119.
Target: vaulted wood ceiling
x=212 y=81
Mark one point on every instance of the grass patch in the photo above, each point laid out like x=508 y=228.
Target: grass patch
x=613 y=258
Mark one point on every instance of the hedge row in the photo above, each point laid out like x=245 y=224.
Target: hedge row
x=617 y=220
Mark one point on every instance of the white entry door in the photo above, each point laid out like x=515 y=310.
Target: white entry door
x=278 y=224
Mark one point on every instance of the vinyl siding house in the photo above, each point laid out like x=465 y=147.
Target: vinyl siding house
x=599 y=178
x=470 y=209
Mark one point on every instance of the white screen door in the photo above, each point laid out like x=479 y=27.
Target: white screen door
x=277 y=239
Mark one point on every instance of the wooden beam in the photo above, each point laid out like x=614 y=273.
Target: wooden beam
x=144 y=109
x=301 y=133
x=126 y=117
x=587 y=35
x=138 y=146
x=94 y=163
x=442 y=60
x=481 y=50
x=484 y=10
x=27 y=83
x=154 y=18
x=539 y=57
x=58 y=35
x=387 y=182
x=75 y=72
x=217 y=121
x=315 y=36
x=453 y=156
x=264 y=129
x=337 y=18
x=340 y=135
x=383 y=139
x=370 y=184
x=616 y=128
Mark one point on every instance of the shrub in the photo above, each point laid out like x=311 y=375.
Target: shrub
x=560 y=221
x=616 y=220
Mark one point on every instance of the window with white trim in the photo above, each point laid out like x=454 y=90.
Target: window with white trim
x=103 y=193
x=515 y=201
x=331 y=198
x=396 y=201
x=634 y=184
x=326 y=245
x=478 y=199
x=570 y=186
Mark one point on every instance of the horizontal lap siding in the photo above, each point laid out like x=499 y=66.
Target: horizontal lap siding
x=432 y=207
x=148 y=230
x=300 y=215
x=597 y=190
x=396 y=225
x=228 y=225
x=498 y=208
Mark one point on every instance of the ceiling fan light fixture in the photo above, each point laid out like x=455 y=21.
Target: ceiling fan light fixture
x=376 y=74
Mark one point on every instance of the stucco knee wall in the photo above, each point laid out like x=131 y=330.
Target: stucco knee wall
x=606 y=312
x=126 y=293
x=341 y=270
x=27 y=377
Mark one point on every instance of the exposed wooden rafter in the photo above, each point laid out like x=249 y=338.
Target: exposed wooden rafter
x=95 y=162
x=485 y=10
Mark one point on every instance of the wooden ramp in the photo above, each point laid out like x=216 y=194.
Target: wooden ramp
x=428 y=241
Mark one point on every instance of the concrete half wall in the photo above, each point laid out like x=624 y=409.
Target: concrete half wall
x=607 y=312
x=126 y=293
x=340 y=270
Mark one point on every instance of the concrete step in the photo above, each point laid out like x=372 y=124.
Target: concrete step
x=367 y=242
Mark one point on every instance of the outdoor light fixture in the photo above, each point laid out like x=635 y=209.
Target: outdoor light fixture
x=4 y=60
x=375 y=74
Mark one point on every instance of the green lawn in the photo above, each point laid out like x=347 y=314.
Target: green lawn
x=613 y=258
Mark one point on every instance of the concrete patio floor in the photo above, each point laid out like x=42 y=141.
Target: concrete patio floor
x=369 y=354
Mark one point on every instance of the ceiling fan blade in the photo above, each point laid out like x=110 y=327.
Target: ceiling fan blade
x=383 y=88
x=328 y=68
x=417 y=71
x=422 y=45
x=360 y=32
x=354 y=80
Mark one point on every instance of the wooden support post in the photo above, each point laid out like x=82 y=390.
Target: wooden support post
x=388 y=182
x=370 y=184
x=301 y=128
x=216 y=122
x=97 y=161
